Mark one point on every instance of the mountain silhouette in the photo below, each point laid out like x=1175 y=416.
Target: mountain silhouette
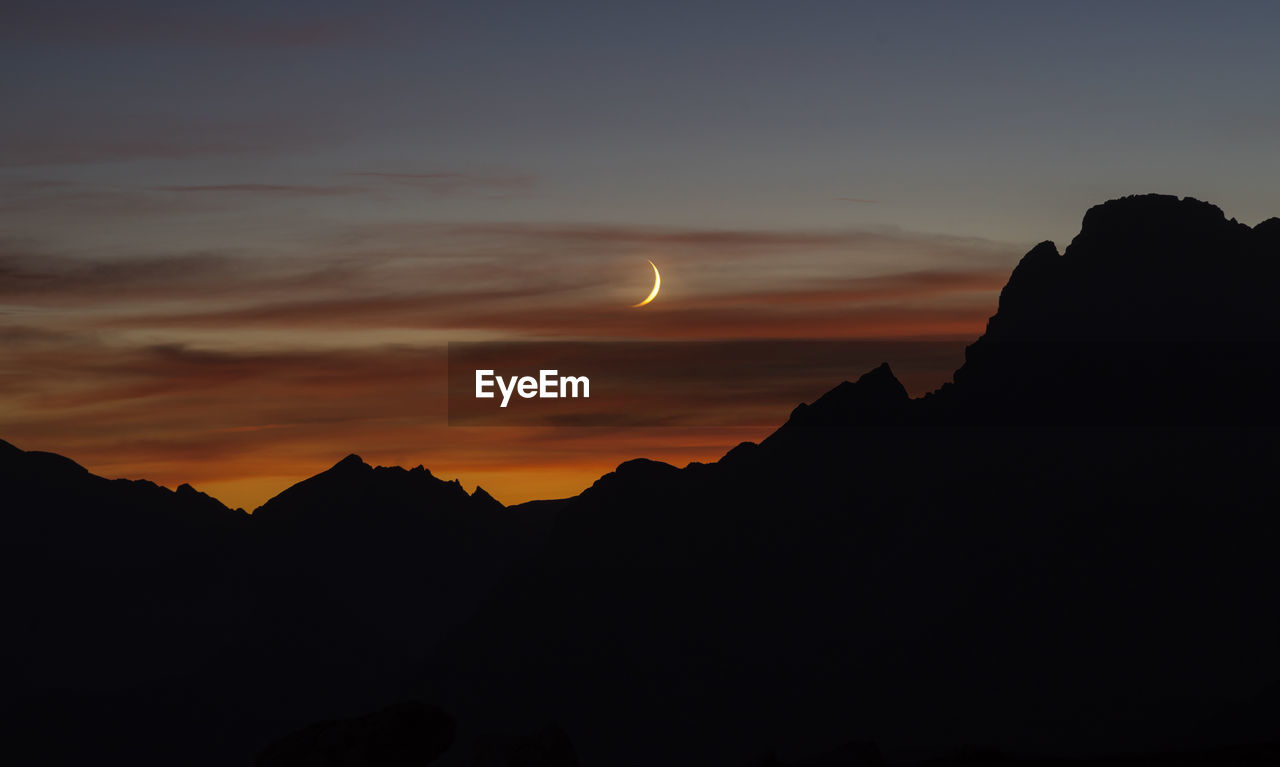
x=1066 y=551
x=1063 y=551
x=154 y=619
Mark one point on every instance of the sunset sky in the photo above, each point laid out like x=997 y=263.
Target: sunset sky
x=235 y=238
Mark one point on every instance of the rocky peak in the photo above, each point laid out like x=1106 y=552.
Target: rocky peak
x=877 y=397
x=484 y=500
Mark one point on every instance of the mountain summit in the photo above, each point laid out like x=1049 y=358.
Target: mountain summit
x=1160 y=312
x=877 y=398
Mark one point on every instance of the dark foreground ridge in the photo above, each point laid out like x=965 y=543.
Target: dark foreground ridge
x=1065 y=553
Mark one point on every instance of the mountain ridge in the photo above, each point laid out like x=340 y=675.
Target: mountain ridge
x=1058 y=483
x=1065 y=550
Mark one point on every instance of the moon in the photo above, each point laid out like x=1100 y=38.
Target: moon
x=657 y=283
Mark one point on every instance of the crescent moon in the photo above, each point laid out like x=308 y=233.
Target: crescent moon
x=657 y=283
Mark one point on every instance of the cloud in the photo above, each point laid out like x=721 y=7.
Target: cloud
x=649 y=236
x=452 y=182
x=32 y=278
x=904 y=286
x=464 y=280
x=734 y=243
x=275 y=189
x=746 y=315
x=361 y=282
x=27 y=185
x=65 y=201
x=34 y=140
x=249 y=369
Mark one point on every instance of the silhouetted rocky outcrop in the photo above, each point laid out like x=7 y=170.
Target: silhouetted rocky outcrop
x=353 y=487
x=878 y=398
x=1161 y=312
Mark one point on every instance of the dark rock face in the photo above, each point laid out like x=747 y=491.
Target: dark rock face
x=1160 y=313
x=400 y=735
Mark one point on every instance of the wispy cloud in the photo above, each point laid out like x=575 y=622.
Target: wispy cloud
x=534 y=279
x=241 y=369
x=32 y=139
x=732 y=243
x=453 y=182
x=273 y=189
x=891 y=308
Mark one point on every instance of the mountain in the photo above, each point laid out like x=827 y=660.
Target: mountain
x=88 y=550
x=379 y=562
x=1066 y=550
x=149 y=620
x=1160 y=312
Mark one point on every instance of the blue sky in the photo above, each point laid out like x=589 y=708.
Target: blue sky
x=1001 y=120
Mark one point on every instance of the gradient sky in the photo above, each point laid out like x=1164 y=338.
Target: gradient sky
x=235 y=238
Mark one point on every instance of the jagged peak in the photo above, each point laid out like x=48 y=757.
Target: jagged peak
x=880 y=375
x=876 y=386
x=1268 y=231
x=352 y=461
x=481 y=495
x=876 y=397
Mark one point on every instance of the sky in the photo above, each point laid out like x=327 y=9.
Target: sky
x=235 y=238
